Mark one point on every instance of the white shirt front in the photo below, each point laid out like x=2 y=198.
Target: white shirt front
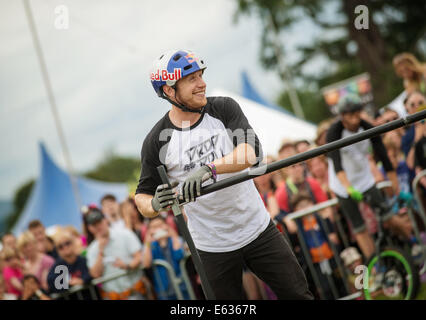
x=122 y=244
x=354 y=159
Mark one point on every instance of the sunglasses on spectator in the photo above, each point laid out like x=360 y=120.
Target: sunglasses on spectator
x=416 y=104
x=63 y=245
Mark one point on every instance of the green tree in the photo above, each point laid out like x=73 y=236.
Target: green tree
x=394 y=26
x=115 y=168
x=19 y=200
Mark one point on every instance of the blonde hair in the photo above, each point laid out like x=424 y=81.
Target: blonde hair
x=418 y=68
x=63 y=233
x=24 y=239
x=8 y=252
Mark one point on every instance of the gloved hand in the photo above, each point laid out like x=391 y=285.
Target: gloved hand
x=405 y=196
x=164 y=197
x=191 y=188
x=354 y=194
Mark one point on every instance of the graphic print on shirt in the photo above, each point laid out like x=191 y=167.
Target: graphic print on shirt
x=202 y=153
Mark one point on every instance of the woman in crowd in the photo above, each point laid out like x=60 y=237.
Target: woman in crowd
x=35 y=262
x=133 y=219
x=413 y=102
x=411 y=71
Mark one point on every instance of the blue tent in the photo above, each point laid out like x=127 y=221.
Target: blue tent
x=249 y=92
x=52 y=199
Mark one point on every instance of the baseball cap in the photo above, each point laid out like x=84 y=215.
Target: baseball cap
x=94 y=215
x=349 y=103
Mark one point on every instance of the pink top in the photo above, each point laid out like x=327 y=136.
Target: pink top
x=8 y=274
x=45 y=265
x=83 y=240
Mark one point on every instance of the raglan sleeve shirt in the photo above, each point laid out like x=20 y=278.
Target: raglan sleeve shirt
x=150 y=160
x=237 y=123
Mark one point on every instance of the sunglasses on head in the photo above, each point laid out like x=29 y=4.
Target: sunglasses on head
x=63 y=245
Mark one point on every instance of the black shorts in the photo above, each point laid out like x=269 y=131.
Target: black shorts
x=374 y=198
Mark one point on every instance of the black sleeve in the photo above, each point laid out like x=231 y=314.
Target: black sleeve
x=335 y=133
x=378 y=148
x=419 y=153
x=150 y=160
x=239 y=129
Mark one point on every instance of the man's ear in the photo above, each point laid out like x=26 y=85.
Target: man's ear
x=168 y=90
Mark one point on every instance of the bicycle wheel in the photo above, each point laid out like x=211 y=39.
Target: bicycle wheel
x=392 y=275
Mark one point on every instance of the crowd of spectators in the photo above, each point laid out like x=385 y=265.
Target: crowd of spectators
x=116 y=237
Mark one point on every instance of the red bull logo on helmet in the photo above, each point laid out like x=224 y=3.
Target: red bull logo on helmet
x=164 y=75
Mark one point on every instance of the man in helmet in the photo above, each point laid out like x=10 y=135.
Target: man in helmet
x=349 y=173
x=198 y=141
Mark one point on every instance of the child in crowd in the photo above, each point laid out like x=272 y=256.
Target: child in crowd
x=32 y=290
x=317 y=242
x=3 y=294
x=162 y=242
x=12 y=271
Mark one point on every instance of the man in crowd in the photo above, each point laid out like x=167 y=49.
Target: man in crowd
x=111 y=209
x=114 y=249
x=43 y=244
x=349 y=171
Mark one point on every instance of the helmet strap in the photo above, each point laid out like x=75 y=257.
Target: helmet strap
x=180 y=106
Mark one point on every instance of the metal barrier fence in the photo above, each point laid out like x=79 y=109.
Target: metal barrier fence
x=422 y=212
x=173 y=279
x=325 y=266
x=176 y=281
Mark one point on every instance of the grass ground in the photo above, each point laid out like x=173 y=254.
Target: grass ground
x=422 y=292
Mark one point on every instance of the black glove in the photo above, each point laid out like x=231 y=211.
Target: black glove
x=191 y=188
x=164 y=197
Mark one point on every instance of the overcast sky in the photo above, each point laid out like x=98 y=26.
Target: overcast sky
x=99 y=72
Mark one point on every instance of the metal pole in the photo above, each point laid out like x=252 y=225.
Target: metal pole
x=367 y=134
x=52 y=101
x=208 y=291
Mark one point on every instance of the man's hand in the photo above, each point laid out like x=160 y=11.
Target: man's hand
x=164 y=197
x=354 y=194
x=191 y=188
x=76 y=281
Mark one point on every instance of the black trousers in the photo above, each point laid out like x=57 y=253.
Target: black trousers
x=269 y=256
